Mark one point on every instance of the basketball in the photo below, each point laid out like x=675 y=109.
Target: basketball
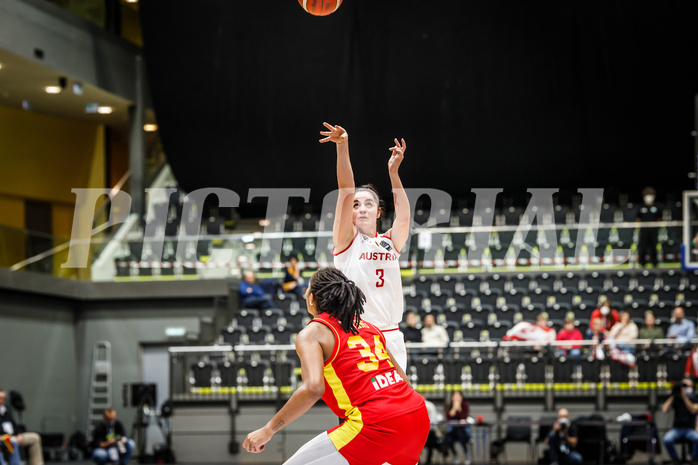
x=320 y=7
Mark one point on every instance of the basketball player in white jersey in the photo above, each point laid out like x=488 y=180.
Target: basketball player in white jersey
x=366 y=257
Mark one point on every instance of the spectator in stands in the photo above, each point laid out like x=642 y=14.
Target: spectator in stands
x=606 y=314
x=433 y=333
x=434 y=440
x=110 y=442
x=647 y=244
x=542 y=322
x=457 y=412
x=650 y=331
x=252 y=295
x=293 y=282
x=597 y=334
x=562 y=440
x=30 y=440
x=683 y=330
x=412 y=334
x=685 y=408
x=569 y=333
x=527 y=331
x=624 y=333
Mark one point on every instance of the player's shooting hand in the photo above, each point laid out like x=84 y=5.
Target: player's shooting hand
x=397 y=155
x=256 y=440
x=336 y=134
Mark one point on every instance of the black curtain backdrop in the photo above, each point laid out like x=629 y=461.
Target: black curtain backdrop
x=502 y=94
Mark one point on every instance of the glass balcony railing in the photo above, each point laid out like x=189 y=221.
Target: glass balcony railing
x=169 y=254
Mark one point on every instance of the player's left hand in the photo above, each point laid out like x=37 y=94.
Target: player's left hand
x=256 y=440
x=398 y=154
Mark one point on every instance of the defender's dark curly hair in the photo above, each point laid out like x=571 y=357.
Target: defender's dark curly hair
x=382 y=209
x=338 y=296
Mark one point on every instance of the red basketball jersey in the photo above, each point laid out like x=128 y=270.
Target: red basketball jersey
x=361 y=384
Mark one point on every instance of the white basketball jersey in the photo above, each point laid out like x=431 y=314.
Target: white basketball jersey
x=374 y=265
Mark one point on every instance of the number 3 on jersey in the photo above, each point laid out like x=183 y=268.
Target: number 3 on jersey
x=374 y=357
x=380 y=273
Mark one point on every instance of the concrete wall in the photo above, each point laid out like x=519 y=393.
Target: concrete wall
x=49 y=326
x=39 y=358
x=127 y=325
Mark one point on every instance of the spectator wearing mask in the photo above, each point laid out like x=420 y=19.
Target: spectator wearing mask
x=433 y=333
x=648 y=212
x=412 y=334
x=606 y=314
x=685 y=408
x=562 y=441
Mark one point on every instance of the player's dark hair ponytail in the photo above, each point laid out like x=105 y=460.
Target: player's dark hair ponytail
x=338 y=296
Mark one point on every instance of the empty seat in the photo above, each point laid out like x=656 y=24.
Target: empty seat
x=448 y=283
x=270 y=316
x=595 y=281
x=201 y=374
x=246 y=317
x=228 y=373
x=232 y=335
x=619 y=372
x=415 y=299
x=258 y=334
x=477 y=370
x=620 y=280
x=441 y=299
x=570 y=282
x=285 y=301
x=423 y=284
x=426 y=368
x=647 y=368
x=526 y=369
x=284 y=334
x=255 y=372
x=647 y=280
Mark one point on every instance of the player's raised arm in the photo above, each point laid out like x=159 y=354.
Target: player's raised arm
x=312 y=360
x=343 y=228
x=400 y=231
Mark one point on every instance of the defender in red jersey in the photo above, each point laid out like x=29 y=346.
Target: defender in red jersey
x=345 y=361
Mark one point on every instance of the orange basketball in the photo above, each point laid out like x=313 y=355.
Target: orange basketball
x=320 y=7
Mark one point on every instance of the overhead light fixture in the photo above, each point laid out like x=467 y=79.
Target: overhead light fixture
x=131 y=1
x=0 y=65
x=91 y=107
x=104 y=110
x=77 y=88
x=150 y=127
x=52 y=89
